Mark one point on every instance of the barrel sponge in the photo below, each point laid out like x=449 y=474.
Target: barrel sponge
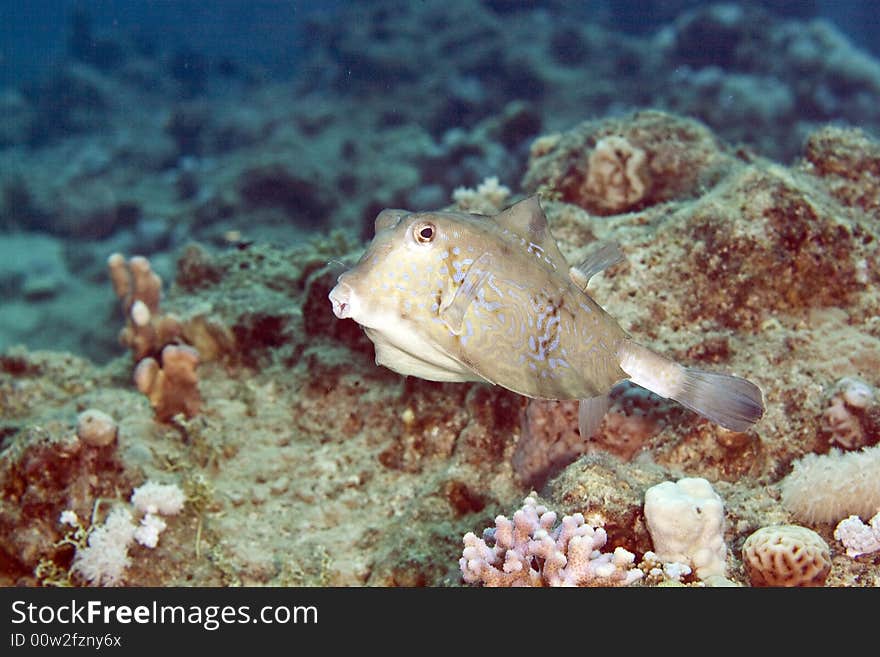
x=833 y=486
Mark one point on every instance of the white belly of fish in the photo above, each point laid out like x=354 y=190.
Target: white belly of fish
x=405 y=351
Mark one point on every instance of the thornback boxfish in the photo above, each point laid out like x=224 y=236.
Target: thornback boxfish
x=451 y=296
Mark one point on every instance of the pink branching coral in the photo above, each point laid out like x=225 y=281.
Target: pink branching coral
x=172 y=386
x=848 y=417
x=139 y=289
x=530 y=551
x=165 y=370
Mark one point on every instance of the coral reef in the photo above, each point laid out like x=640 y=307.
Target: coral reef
x=786 y=555
x=616 y=165
x=746 y=210
x=531 y=550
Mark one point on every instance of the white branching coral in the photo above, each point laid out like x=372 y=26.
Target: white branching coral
x=489 y=197
x=101 y=556
x=153 y=497
x=104 y=560
x=857 y=537
x=531 y=550
x=843 y=419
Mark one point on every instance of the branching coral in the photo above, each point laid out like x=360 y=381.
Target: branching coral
x=857 y=537
x=847 y=418
x=488 y=198
x=139 y=289
x=172 y=386
x=101 y=557
x=170 y=383
x=531 y=550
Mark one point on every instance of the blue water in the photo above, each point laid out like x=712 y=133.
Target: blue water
x=138 y=126
x=33 y=35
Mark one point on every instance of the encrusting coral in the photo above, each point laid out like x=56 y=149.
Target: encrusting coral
x=550 y=439
x=616 y=174
x=531 y=550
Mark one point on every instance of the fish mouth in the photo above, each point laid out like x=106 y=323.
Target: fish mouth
x=340 y=297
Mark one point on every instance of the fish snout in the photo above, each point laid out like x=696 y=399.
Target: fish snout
x=341 y=297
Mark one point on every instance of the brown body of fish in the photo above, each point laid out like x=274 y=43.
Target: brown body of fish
x=450 y=296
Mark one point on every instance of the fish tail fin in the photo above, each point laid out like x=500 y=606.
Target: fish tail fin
x=728 y=400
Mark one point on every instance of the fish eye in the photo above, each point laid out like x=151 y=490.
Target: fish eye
x=424 y=233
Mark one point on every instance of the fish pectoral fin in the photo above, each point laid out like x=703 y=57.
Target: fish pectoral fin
x=591 y=412
x=607 y=254
x=452 y=313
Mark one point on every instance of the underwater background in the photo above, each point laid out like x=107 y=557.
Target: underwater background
x=181 y=182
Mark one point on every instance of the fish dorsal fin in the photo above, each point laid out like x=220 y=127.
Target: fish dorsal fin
x=607 y=254
x=527 y=220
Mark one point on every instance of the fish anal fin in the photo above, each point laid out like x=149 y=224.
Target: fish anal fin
x=607 y=254
x=453 y=313
x=591 y=412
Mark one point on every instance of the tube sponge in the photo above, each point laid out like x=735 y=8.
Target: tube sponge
x=833 y=486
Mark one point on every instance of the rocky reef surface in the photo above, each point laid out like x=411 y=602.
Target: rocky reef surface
x=304 y=462
x=203 y=355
